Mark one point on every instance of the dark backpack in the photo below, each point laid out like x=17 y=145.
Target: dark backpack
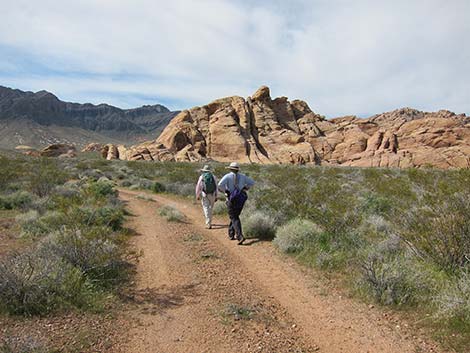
x=208 y=183
x=237 y=197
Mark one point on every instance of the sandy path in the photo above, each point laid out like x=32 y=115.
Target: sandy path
x=196 y=291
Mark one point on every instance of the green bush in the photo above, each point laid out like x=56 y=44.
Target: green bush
x=10 y=170
x=33 y=225
x=440 y=232
x=259 y=225
x=158 y=187
x=107 y=216
x=101 y=189
x=376 y=204
x=45 y=176
x=220 y=208
x=33 y=284
x=16 y=200
x=454 y=300
x=390 y=280
x=93 y=251
x=171 y=214
x=293 y=236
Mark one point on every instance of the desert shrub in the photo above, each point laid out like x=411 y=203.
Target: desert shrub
x=45 y=176
x=16 y=200
x=93 y=251
x=11 y=169
x=292 y=237
x=94 y=161
x=259 y=225
x=219 y=208
x=375 y=225
x=178 y=188
x=66 y=191
x=391 y=276
x=33 y=284
x=145 y=197
x=112 y=217
x=82 y=217
x=101 y=189
x=440 y=232
x=125 y=183
x=41 y=204
x=30 y=224
x=33 y=225
x=141 y=183
x=171 y=214
x=158 y=187
x=376 y=204
x=453 y=300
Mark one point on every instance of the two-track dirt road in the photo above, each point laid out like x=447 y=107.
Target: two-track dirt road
x=197 y=291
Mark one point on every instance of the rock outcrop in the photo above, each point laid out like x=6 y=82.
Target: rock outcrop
x=264 y=130
x=59 y=150
x=93 y=147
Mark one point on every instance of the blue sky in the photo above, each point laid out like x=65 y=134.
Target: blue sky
x=342 y=56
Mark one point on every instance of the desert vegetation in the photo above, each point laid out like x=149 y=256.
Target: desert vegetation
x=71 y=252
x=400 y=238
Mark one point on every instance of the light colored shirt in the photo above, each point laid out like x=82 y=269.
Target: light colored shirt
x=227 y=183
x=200 y=185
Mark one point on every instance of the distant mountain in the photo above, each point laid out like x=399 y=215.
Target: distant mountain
x=38 y=119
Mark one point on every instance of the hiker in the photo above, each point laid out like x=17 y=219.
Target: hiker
x=235 y=185
x=206 y=190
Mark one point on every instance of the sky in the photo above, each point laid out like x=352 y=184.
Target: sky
x=343 y=57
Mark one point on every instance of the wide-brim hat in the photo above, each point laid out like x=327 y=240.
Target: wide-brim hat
x=206 y=168
x=233 y=166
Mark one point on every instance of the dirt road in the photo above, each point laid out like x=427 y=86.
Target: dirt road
x=197 y=291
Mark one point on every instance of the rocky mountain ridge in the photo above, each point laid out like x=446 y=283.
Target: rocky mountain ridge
x=260 y=129
x=41 y=118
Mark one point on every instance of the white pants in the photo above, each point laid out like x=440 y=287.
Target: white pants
x=208 y=201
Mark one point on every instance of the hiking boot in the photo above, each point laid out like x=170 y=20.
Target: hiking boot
x=241 y=240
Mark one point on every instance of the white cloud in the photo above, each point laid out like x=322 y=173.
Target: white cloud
x=343 y=57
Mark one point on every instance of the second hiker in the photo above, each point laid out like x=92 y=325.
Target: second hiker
x=234 y=185
x=206 y=190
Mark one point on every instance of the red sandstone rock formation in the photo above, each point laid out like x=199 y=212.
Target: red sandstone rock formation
x=262 y=130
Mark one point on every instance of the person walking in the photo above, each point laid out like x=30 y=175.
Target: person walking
x=235 y=184
x=206 y=191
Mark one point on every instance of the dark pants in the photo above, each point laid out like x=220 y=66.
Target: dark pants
x=235 y=227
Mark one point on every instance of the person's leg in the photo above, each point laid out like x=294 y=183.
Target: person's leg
x=237 y=225
x=211 y=198
x=231 y=229
x=205 y=201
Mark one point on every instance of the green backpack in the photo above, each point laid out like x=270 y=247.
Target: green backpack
x=208 y=185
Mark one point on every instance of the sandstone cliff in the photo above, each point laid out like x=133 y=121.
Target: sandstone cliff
x=264 y=130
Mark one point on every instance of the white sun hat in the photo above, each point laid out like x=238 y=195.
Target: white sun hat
x=233 y=166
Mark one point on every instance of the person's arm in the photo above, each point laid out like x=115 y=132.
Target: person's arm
x=248 y=182
x=199 y=188
x=222 y=186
